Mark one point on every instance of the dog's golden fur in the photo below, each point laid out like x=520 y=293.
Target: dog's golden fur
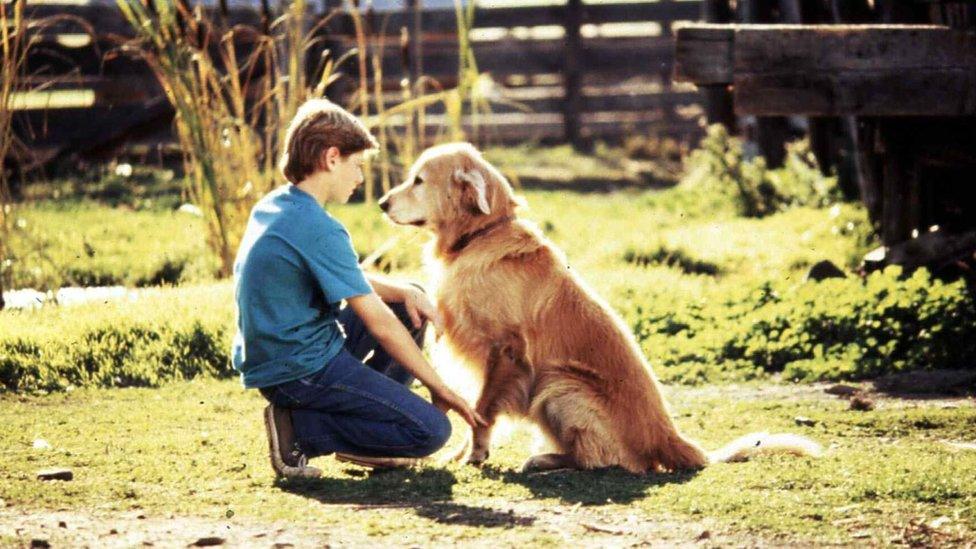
x=544 y=344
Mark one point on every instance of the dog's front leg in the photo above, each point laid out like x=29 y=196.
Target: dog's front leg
x=504 y=390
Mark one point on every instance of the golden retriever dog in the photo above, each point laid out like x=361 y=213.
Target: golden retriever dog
x=543 y=344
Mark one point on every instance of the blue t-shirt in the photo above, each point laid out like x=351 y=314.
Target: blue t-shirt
x=294 y=266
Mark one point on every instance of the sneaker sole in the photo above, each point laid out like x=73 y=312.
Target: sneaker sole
x=282 y=469
x=379 y=462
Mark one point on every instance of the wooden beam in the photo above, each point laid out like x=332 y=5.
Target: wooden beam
x=832 y=70
x=703 y=53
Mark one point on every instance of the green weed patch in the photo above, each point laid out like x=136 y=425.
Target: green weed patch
x=164 y=336
x=832 y=330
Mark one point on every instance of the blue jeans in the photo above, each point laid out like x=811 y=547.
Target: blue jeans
x=362 y=408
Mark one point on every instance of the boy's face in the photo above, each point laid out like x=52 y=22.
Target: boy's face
x=347 y=174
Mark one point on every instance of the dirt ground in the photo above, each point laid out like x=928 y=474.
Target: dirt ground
x=576 y=526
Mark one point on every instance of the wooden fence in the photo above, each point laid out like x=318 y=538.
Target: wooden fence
x=582 y=71
x=887 y=87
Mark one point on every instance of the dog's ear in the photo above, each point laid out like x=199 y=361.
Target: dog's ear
x=475 y=182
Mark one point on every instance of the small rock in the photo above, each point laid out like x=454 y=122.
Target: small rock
x=41 y=444
x=601 y=528
x=823 y=270
x=55 y=474
x=804 y=421
x=62 y=524
x=113 y=532
x=861 y=403
x=209 y=541
x=842 y=390
x=705 y=534
x=39 y=544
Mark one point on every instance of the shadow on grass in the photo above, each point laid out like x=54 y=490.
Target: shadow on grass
x=396 y=488
x=927 y=384
x=426 y=491
x=600 y=487
x=466 y=515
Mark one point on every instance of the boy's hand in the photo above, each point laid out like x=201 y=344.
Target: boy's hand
x=420 y=307
x=446 y=399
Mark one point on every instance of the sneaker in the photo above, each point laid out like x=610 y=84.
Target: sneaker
x=286 y=459
x=379 y=462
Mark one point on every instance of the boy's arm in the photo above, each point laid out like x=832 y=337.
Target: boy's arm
x=389 y=290
x=394 y=337
x=418 y=305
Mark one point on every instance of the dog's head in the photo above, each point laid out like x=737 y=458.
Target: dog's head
x=450 y=187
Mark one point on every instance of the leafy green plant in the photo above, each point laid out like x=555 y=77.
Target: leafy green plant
x=160 y=337
x=720 y=166
x=835 y=329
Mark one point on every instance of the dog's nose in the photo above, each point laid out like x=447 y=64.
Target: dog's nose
x=384 y=204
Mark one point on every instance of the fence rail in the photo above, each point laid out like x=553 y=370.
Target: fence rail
x=561 y=72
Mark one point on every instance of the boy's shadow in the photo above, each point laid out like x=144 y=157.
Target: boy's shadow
x=427 y=491
x=596 y=487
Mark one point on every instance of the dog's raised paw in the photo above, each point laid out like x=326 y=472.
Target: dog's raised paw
x=477 y=456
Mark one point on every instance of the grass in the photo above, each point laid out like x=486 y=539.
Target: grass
x=672 y=262
x=560 y=166
x=197 y=449
x=685 y=272
x=85 y=243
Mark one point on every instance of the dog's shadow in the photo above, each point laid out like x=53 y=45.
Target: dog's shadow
x=597 y=487
x=427 y=491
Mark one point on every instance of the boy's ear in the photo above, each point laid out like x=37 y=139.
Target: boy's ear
x=330 y=157
x=475 y=184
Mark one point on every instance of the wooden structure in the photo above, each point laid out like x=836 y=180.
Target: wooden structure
x=562 y=72
x=893 y=96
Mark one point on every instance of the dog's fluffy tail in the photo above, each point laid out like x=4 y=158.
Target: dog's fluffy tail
x=744 y=448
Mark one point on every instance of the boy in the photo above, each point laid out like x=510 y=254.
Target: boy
x=294 y=266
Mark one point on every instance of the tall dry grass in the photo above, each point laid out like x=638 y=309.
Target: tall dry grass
x=403 y=128
x=14 y=44
x=231 y=113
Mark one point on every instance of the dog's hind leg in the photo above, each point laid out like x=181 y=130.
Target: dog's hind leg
x=506 y=389
x=548 y=462
x=569 y=410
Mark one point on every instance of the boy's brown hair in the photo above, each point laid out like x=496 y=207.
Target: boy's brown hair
x=318 y=125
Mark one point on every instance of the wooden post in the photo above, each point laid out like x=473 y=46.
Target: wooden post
x=771 y=131
x=413 y=8
x=856 y=164
x=852 y=11
x=862 y=131
x=412 y=62
x=900 y=190
x=572 y=74
x=718 y=97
